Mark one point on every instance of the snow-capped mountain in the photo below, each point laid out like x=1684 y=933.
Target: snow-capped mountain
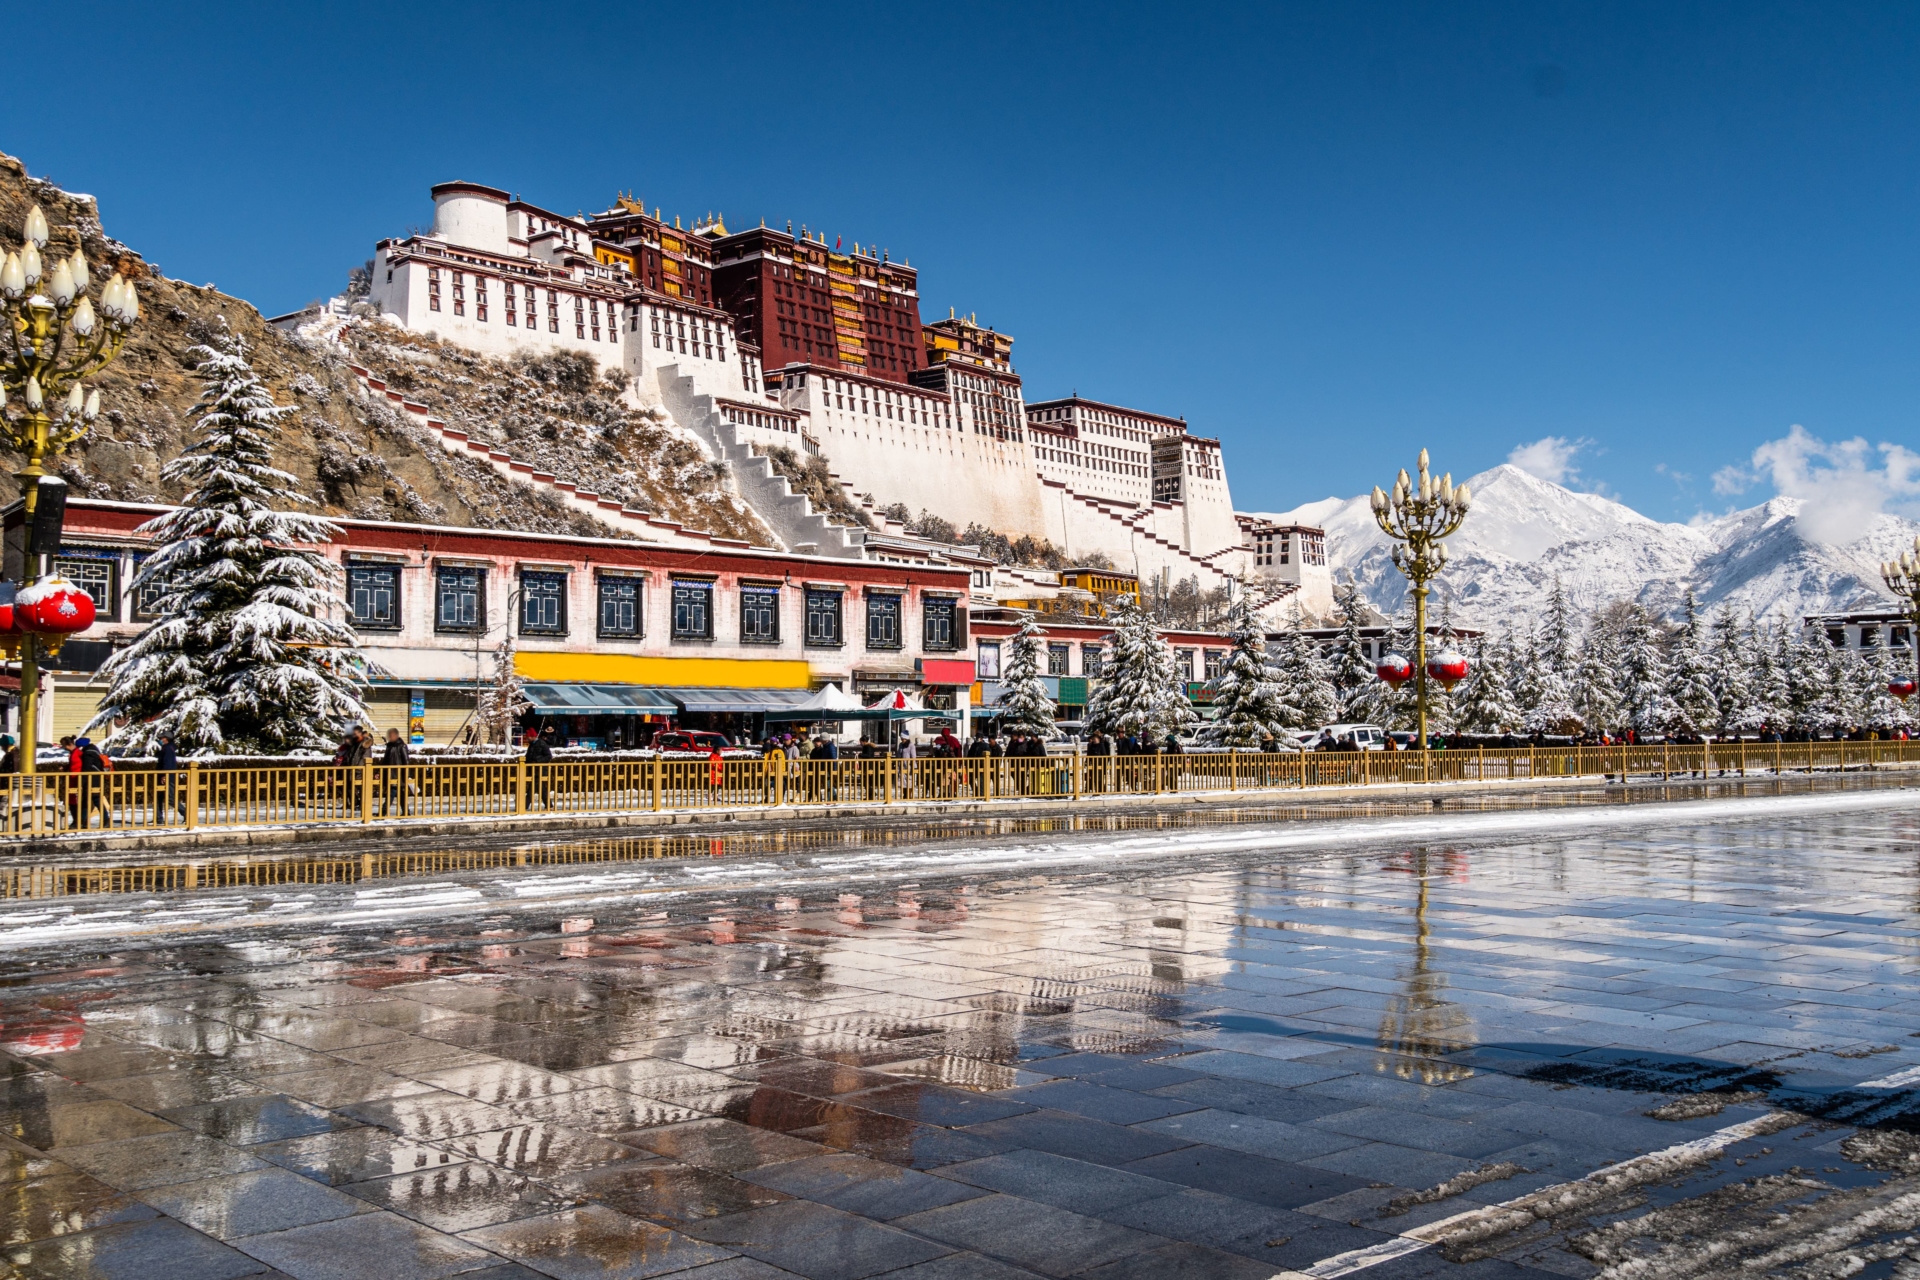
x=1524 y=532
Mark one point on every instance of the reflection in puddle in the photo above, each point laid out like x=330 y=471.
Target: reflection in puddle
x=1420 y=1027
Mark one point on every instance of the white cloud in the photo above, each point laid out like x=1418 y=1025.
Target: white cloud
x=1731 y=479
x=1841 y=484
x=1550 y=458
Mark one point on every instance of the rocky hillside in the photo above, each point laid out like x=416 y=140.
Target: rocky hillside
x=354 y=454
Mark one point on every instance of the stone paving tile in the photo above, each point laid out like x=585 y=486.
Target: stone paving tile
x=1078 y=1137
x=1039 y=1237
x=593 y=1242
x=134 y=1251
x=1058 y=1181
x=871 y=1188
x=819 y=1242
x=1275 y=1183
x=668 y=1192
x=255 y=1118
x=1099 y=1101
x=354 y=1155
x=62 y=1204
x=159 y=1159
x=725 y=1146
x=382 y=1245
x=1182 y=1262
x=1237 y=1132
x=246 y=1204
x=459 y=1197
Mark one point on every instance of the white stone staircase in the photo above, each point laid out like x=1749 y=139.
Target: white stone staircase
x=643 y=525
x=790 y=515
x=1133 y=520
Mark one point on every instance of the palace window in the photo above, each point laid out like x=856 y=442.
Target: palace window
x=1216 y=660
x=433 y=288
x=1183 y=663
x=580 y=319
x=1093 y=659
x=1058 y=656
x=553 y=312
x=760 y=615
x=373 y=596
x=619 y=607
x=480 y=298
x=532 y=321
x=459 y=293
x=96 y=573
x=543 y=603
x=692 y=610
x=823 y=618
x=883 y=621
x=941 y=628
x=461 y=595
x=147 y=595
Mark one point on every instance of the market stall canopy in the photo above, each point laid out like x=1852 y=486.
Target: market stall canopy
x=598 y=700
x=773 y=702
x=900 y=704
x=829 y=703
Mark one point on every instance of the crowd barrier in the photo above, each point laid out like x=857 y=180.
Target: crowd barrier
x=205 y=797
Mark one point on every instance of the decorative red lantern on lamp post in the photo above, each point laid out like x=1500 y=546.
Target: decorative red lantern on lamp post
x=1394 y=669
x=1449 y=667
x=52 y=606
x=1901 y=687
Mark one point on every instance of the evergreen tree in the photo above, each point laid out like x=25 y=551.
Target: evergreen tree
x=1142 y=693
x=1595 y=683
x=1693 y=706
x=1731 y=663
x=1645 y=707
x=1378 y=702
x=1245 y=694
x=1487 y=704
x=1352 y=672
x=1880 y=709
x=1772 y=695
x=1810 y=681
x=1303 y=681
x=246 y=652
x=1025 y=705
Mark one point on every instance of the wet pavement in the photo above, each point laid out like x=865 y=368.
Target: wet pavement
x=1641 y=1040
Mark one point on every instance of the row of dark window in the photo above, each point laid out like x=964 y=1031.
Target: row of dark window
x=460 y=605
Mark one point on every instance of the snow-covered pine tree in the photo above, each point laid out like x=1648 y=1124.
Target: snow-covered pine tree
x=1730 y=668
x=503 y=698
x=1772 y=693
x=1596 y=679
x=1141 y=694
x=1548 y=696
x=1693 y=706
x=1353 y=672
x=1303 y=682
x=1810 y=671
x=1487 y=703
x=1378 y=702
x=1881 y=710
x=1645 y=705
x=247 y=652
x=1025 y=705
x=1245 y=695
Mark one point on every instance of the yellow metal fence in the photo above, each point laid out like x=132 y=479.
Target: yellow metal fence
x=205 y=797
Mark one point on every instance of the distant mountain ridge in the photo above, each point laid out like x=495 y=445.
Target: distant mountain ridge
x=1524 y=532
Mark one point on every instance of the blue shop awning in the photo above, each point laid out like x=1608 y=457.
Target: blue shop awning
x=598 y=700
x=747 y=701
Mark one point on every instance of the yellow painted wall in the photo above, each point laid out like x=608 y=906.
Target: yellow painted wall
x=73 y=707
x=669 y=673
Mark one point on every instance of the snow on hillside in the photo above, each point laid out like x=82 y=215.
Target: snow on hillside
x=1524 y=532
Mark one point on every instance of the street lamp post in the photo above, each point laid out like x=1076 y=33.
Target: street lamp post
x=56 y=337
x=1902 y=577
x=1419 y=516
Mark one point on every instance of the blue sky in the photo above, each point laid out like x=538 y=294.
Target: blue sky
x=1661 y=235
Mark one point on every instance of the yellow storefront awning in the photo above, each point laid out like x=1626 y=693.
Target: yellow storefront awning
x=662 y=672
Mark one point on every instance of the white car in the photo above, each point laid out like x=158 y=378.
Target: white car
x=1367 y=737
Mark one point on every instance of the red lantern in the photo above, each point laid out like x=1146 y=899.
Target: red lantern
x=9 y=619
x=53 y=606
x=1394 y=669
x=1449 y=667
x=1901 y=687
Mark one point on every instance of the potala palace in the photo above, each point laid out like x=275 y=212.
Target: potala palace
x=763 y=338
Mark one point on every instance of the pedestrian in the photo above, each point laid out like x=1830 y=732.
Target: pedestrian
x=10 y=760
x=167 y=762
x=91 y=765
x=394 y=755
x=539 y=762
